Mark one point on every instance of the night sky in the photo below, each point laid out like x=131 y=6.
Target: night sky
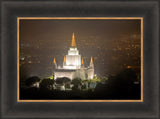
x=114 y=44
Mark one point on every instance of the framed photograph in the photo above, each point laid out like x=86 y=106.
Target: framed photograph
x=114 y=54
x=80 y=59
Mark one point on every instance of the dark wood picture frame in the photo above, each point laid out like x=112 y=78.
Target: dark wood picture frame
x=148 y=9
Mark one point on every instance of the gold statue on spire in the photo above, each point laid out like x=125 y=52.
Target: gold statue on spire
x=64 y=59
x=82 y=61
x=73 y=44
x=91 y=60
x=54 y=61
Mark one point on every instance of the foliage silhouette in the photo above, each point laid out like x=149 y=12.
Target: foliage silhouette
x=120 y=86
x=30 y=81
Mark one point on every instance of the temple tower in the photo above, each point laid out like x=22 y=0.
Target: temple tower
x=91 y=63
x=73 y=58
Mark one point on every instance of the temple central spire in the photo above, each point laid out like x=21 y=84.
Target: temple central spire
x=73 y=44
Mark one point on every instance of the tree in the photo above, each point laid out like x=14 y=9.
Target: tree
x=77 y=83
x=32 y=80
x=123 y=85
x=63 y=80
x=47 y=83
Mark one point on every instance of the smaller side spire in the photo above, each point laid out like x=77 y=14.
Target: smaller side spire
x=82 y=61
x=91 y=60
x=64 y=59
x=91 y=63
x=54 y=61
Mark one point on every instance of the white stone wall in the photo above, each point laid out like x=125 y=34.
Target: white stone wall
x=79 y=73
x=73 y=51
x=70 y=67
x=63 y=74
x=73 y=60
x=90 y=73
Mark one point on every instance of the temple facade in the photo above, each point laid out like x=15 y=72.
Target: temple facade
x=73 y=65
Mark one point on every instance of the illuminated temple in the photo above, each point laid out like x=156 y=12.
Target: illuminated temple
x=73 y=65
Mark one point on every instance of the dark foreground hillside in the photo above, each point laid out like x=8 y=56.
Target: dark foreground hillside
x=125 y=85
